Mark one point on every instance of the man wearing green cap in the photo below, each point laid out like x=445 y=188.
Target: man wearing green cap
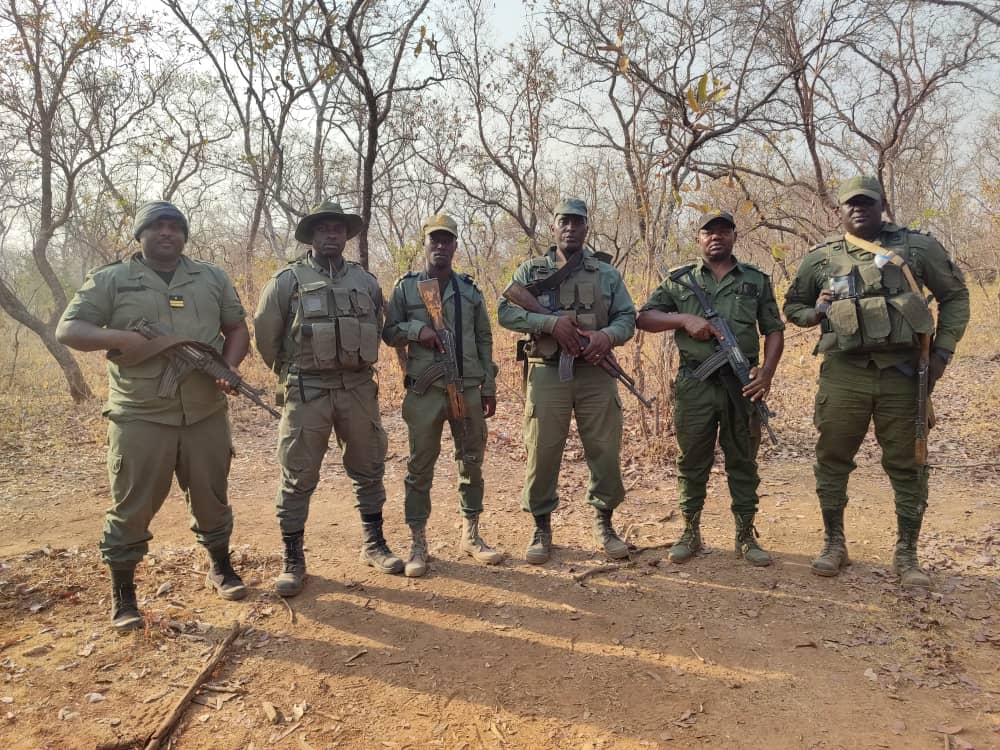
x=589 y=302
x=317 y=326
x=871 y=312
x=153 y=436
x=426 y=404
x=742 y=294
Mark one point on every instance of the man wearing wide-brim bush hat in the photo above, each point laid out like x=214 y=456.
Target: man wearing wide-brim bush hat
x=317 y=326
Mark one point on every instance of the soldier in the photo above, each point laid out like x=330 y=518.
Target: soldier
x=317 y=326
x=153 y=437
x=742 y=294
x=869 y=319
x=425 y=406
x=588 y=299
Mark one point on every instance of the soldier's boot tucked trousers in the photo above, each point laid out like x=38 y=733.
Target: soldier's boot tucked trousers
x=540 y=548
x=746 y=541
x=690 y=542
x=374 y=550
x=125 y=615
x=606 y=536
x=416 y=565
x=472 y=544
x=289 y=583
x=834 y=554
x=904 y=558
x=223 y=578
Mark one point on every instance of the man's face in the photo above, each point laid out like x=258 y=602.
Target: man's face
x=439 y=250
x=716 y=240
x=163 y=240
x=329 y=239
x=861 y=215
x=570 y=231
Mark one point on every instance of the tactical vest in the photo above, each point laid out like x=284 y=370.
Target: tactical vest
x=874 y=309
x=334 y=325
x=579 y=298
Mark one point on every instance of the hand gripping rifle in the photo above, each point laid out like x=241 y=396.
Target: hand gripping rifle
x=184 y=357
x=516 y=294
x=727 y=351
x=445 y=365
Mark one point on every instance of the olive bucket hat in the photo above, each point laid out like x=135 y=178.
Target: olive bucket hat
x=327 y=210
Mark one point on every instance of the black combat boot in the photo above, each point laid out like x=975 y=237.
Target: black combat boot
x=690 y=542
x=540 y=548
x=746 y=541
x=605 y=535
x=834 y=554
x=289 y=583
x=904 y=558
x=416 y=564
x=125 y=615
x=223 y=578
x=374 y=550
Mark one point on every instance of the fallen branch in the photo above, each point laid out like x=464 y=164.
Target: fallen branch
x=167 y=725
x=291 y=612
x=591 y=572
x=648 y=547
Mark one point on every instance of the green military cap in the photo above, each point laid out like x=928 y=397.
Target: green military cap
x=440 y=223
x=716 y=214
x=860 y=185
x=327 y=210
x=575 y=206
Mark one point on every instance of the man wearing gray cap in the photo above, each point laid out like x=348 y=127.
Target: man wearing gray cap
x=317 y=326
x=588 y=302
x=864 y=288
x=742 y=294
x=152 y=437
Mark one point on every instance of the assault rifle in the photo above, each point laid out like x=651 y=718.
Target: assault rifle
x=516 y=294
x=727 y=351
x=445 y=365
x=184 y=357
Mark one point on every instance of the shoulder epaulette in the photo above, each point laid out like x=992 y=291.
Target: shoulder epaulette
x=407 y=275
x=95 y=269
x=205 y=262
x=603 y=256
x=542 y=261
x=752 y=267
x=681 y=267
x=470 y=281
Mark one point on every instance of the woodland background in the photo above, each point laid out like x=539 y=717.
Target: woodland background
x=246 y=113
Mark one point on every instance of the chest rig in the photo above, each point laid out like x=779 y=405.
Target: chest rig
x=579 y=298
x=334 y=324
x=874 y=309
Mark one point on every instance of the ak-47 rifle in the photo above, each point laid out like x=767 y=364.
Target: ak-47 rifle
x=516 y=294
x=184 y=356
x=727 y=351
x=445 y=365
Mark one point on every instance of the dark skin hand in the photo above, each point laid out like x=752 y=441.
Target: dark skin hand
x=935 y=371
x=761 y=377
x=489 y=406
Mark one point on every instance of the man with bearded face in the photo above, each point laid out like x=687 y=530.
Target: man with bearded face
x=870 y=320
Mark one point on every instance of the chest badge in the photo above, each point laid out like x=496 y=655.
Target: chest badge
x=175 y=300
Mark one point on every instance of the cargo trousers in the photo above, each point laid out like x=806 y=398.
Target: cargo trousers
x=425 y=416
x=592 y=397
x=352 y=414
x=143 y=458
x=849 y=398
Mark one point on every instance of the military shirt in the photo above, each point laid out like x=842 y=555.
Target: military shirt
x=276 y=311
x=406 y=316
x=931 y=267
x=199 y=301
x=621 y=310
x=744 y=297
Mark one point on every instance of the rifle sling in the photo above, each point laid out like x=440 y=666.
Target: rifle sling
x=893 y=258
x=551 y=282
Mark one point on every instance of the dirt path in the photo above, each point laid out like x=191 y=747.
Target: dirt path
x=711 y=654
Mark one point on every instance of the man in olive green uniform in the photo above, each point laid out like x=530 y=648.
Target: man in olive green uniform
x=592 y=313
x=742 y=294
x=153 y=436
x=870 y=318
x=317 y=326
x=426 y=404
